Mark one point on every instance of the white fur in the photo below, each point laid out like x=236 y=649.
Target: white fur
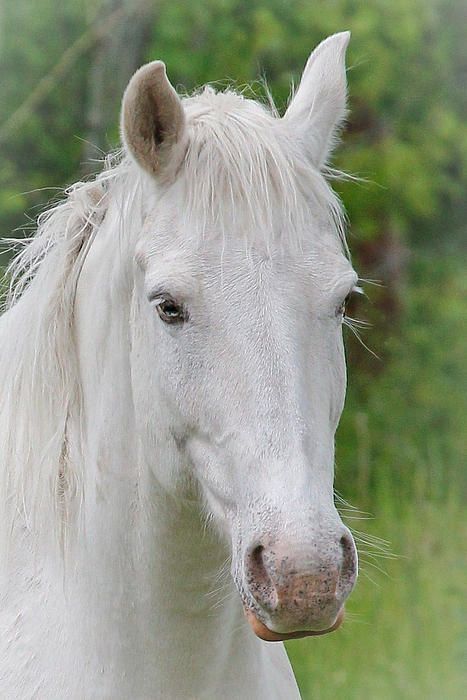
x=138 y=458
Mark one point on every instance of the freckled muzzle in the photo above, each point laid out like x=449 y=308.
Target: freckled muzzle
x=296 y=591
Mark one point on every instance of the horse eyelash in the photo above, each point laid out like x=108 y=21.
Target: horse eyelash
x=356 y=289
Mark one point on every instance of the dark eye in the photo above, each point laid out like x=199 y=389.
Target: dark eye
x=340 y=311
x=351 y=296
x=171 y=312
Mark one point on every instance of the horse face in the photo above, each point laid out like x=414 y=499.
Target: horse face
x=246 y=329
x=250 y=366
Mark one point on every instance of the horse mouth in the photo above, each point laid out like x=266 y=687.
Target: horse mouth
x=267 y=635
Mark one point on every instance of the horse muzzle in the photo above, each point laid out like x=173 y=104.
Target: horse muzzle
x=297 y=591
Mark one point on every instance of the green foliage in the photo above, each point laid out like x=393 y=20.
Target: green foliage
x=44 y=152
x=403 y=430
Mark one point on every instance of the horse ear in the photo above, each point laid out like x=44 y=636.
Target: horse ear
x=153 y=121
x=318 y=108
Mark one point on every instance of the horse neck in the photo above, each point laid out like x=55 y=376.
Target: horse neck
x=144 y=596
x=154 y=620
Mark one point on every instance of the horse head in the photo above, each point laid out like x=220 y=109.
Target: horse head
x=242 y=277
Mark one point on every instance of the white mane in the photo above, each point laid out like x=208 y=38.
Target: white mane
x=238 y=162
x=241 y=160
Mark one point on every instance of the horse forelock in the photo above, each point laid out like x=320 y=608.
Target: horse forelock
x=244 y=164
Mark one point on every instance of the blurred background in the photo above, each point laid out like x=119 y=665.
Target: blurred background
x=402 y=437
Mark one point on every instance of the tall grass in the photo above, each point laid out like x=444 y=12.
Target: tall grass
x=401 y=454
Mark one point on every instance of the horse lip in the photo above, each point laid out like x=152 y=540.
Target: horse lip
x=267 y=635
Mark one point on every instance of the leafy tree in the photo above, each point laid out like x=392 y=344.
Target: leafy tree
x=42 y=151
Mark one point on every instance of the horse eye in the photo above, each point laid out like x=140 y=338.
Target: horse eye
x=171 y=312
x=340 y=311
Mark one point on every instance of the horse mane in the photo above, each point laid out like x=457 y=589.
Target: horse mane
x=237 y=154
x=38 y=372
x=241 y=152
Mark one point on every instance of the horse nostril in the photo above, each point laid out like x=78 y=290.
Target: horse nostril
x=259 y=580
x=348 y=568
x=257 y=556
x=256 y=565
x=344 y=542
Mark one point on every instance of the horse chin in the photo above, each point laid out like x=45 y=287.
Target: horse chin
x=267 y=635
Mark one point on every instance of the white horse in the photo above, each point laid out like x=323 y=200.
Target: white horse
x=172 y=374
